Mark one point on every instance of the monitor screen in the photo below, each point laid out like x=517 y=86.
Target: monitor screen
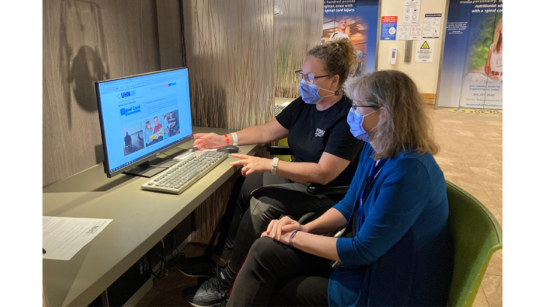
x=143 y=115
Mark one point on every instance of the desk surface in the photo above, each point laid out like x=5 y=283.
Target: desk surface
x=140 y=220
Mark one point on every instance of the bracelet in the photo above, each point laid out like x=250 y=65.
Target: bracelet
x=291 y=237
x=274 y=166
x=235 y=138
x=226 y=138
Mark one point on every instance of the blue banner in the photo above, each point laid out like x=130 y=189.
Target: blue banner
x=356 y=20
x=472 y=70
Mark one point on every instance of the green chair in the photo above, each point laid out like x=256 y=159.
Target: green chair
x=477 y=235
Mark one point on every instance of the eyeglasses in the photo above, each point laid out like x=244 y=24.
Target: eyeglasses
x=307 y=77
x=355 y=107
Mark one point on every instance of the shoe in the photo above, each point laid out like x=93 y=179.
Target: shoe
x=197 y=267
x=211 y=293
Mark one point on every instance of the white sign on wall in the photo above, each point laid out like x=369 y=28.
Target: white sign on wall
x=411 y=11
x=432 y=25
x=409 y=32
x=424 y=50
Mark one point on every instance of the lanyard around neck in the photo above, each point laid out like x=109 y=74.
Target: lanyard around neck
x=368 y=184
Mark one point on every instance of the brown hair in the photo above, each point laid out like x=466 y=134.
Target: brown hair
x=403 y=125
x=339 y=56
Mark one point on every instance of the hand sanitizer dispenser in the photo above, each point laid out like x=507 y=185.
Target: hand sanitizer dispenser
x=393 y=56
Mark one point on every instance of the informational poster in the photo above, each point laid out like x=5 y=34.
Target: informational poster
x=432 y=25
x=472 y=69
x=388 y=28
x=411 y=11
x=356 y=20
x=409 y=32
x=424 y=50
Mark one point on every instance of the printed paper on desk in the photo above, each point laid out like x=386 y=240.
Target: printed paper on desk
x=63 y=237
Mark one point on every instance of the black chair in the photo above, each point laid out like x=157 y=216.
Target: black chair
x=329 y=189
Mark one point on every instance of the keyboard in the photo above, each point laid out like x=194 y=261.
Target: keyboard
x=278 y=109
x=183 y=174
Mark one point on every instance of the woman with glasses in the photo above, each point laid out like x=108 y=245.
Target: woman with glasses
x=324 y=152
x=396 y=248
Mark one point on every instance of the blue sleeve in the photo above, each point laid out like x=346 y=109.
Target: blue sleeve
x=346 y=205
x=403 y=195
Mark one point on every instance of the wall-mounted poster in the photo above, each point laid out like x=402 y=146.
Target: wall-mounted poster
x=472 y=70
x=388 y=28
x=424 y=50
x=411 y=11
x=356 y=20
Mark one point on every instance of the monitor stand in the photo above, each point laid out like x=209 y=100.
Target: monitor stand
x=146 y=170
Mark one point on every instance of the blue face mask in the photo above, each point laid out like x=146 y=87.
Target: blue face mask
x=309 y=92
x=355 y=121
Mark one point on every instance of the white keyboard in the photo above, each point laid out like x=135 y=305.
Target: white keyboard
x=183 y=174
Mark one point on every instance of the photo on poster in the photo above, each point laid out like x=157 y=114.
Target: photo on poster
x=132 y=138
x=356 y=21
x=483 y=78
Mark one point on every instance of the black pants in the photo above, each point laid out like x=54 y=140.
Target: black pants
x=275 y=274
x=262 y=198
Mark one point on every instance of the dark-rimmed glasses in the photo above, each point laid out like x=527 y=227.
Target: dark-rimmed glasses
x=355 y=107
x=307 y=77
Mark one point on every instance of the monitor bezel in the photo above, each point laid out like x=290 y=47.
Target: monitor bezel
x=151 y=156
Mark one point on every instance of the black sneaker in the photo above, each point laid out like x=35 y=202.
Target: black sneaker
x=197 y=267
x=211 y=293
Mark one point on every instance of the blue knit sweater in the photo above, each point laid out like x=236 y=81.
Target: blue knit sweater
x=401 y=252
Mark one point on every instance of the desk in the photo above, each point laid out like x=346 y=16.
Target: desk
x=140 y=220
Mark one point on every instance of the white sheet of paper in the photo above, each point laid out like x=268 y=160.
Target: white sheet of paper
x=424 y=50
x=432 y=25
x=411 y=11
x=63 y=237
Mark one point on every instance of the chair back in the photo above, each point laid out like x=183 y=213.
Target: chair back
x=476 y=235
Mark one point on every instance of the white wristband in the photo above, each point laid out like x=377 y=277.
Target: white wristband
x=235 y=138
x=274 y=166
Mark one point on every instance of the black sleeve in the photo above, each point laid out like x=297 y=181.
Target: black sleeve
x=342 y=143
x=287 y=117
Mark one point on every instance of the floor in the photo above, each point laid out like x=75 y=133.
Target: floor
x=470 y=156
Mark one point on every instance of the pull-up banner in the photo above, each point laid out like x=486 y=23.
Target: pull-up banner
x=472 y=70
x=356 y=20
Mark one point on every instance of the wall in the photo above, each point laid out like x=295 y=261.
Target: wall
x=296 y=30
x=87 y=41
x=425 y=75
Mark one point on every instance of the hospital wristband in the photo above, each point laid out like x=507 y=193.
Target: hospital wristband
x=226 y=138
x=274 y=166
x=235 y=138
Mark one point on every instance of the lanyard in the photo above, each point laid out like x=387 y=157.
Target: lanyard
x=368 y=183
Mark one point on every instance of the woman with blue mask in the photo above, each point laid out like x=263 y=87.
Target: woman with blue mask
x=394 y=246
x=324 y=152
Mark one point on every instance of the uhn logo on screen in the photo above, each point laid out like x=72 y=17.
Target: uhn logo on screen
x=126 y=94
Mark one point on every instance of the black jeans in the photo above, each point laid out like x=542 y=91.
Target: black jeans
x=276 y=275
x=262 y=198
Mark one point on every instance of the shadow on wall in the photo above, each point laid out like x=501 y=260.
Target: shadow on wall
x=90 y=63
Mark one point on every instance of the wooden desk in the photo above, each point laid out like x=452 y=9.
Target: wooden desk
x=140 y=220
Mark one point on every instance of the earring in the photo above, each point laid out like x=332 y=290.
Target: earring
x=336 y=93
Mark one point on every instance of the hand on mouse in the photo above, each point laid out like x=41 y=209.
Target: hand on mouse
x=209 y=141
x=251 y=164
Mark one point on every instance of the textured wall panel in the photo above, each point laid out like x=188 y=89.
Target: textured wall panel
x=296 y=30
x=87 y=41
x=230 y=56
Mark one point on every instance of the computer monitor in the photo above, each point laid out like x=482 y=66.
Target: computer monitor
x=142 y=116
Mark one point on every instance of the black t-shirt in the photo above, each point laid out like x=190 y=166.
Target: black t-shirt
x=313 y=132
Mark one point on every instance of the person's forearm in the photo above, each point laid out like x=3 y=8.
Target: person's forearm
x=325 y=247
x=252 y=135
x=304 y=172
x=331 y=221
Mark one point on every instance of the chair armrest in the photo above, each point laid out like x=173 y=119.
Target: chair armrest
x=327 y=189
x=279 y=150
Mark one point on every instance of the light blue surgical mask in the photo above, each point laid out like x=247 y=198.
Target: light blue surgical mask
x=355 y=121
x=309 y=92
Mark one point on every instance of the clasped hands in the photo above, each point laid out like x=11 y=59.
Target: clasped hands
x=250 y=164
x=282 y=229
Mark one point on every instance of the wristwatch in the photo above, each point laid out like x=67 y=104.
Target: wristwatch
x=274 y=166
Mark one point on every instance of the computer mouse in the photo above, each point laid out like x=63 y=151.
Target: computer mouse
x=229 y=149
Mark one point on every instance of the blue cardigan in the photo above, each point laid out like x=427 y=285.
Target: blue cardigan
x=402 y=254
